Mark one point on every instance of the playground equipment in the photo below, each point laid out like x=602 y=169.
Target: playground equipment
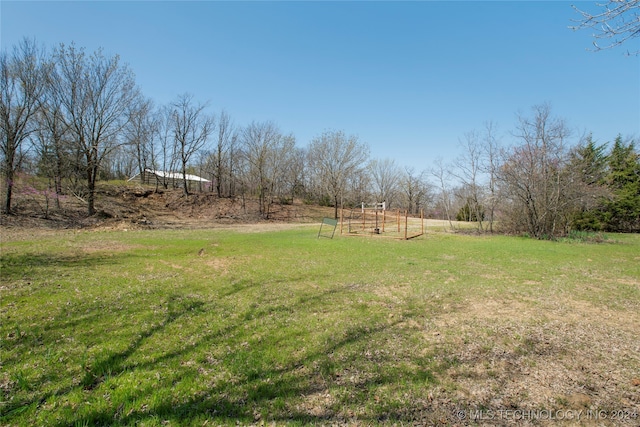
x=375 y=219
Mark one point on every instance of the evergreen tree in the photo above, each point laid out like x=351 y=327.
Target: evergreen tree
x=588 y=167
x=592 y=161
x=622 y=213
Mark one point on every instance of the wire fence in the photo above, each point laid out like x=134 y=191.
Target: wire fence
x=396 y=224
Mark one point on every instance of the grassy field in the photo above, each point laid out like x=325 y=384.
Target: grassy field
x=227 y=327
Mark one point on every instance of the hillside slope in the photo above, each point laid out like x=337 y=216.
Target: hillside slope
x=120 y=206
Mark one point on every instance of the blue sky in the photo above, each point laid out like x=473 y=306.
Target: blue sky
x=409 y=78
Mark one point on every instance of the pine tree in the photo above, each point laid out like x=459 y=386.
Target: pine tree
x=588 y=166
x=622 y=213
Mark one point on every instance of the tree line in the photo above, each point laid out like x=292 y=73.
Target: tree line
x=74 y=118
x=544 y=183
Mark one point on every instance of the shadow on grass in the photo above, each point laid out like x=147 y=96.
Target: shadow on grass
x=259 y=389
x=261 y=394
x=15 y=267
x=109 y=366
x=114 y=364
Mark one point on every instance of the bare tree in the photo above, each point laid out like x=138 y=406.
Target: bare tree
x=295 y=175
x=335 y=157
x=95 y=93
x=139 y=134
x=533 y=179
x=120 y=164
x=22 y=83
x=490 y=166
x=442 y=173
x=357 y=188
x=467 y=168
x=617 y=21
x=257 y=141
x=221 y=157
x=415 y=190
x=54 y=140
x=233 y=165
x=266 y=153
x=283 y=173
x=163 y=154
x=191 y=129
x=385 y=177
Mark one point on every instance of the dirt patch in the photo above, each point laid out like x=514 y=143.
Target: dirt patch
x=218 y=264
x=524 y=356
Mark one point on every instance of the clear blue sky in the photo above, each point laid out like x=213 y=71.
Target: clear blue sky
x=409 y=78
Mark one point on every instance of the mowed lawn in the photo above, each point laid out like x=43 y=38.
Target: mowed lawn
x=228 y=327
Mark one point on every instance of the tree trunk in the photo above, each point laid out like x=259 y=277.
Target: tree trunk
x=9 y=175
x=185 y=187
x=91 y=184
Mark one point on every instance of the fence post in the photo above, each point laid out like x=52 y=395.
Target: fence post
x=406 y=223
x=384 y=217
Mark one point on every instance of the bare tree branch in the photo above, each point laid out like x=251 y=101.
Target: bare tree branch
x=616 y=23
x=22 y=83
x=336 y=157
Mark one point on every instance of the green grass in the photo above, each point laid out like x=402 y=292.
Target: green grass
x=187 y=327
